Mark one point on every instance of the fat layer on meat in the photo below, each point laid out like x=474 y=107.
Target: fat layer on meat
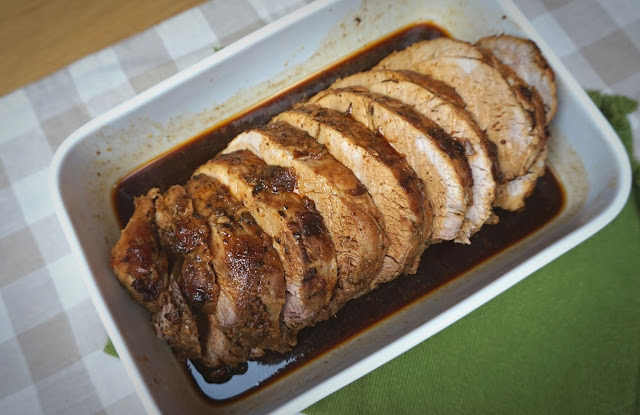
x=525 y=58
x=440 y=103
x=394 y=187
x=297 y=229
x=353 y=221
x=428 y=149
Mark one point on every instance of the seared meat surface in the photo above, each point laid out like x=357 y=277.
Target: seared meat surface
x=185 y=236
x=176 y=323
x=248 y=271
x=297 y=229
x=443 y=105
x=496 y=106
x=337 y=195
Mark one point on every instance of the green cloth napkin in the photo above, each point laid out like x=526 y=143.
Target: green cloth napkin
x=566 y=340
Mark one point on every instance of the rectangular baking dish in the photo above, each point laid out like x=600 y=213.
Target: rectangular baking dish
x=584 y=151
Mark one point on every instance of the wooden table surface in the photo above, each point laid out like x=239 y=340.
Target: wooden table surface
x=38 y=37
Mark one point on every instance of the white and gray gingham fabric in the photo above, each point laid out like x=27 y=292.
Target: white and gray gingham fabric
x=51 y=338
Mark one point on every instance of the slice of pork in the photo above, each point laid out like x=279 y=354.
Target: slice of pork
x=394 y=187
x=511 y=195
x=297 y=229
x=248 y=270
x=527 y=96
x=440 y=103
x=436 y=158
x=524 y=56
x=429 y=49
x=353 y=221
x=498 y=106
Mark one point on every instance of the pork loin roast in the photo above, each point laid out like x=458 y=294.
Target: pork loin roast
x=337 y=195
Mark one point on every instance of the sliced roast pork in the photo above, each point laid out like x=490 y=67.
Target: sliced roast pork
x=511 y=195
x=140 y=260
x=525 y=95
x=436 y=158
x=336 y=196
x=353 y=221
x=297 y=229
x=448 y=47
x=429 y=49
x=443 y=105
x=394 y=187
x=528 y=62
x=496 y=105
x=248 y=270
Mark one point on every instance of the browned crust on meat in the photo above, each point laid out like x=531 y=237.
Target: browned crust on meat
x=137 y=259
x=297 y=229
x=444 y=141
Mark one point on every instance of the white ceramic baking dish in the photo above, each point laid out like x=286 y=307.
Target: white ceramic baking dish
x=584 y=151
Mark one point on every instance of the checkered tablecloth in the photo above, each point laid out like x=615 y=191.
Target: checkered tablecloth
x=51 y=338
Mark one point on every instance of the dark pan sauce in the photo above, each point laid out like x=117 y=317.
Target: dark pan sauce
x=440 y=264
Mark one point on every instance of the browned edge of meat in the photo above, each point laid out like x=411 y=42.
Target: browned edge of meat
x=137 y=259
x=526 y=59
x=436 y=158
x=353 y=221
x=498 y=110
x=297 y=229
x=440 y=103
x=527 y=95
x=184 y=235
x=394 y=187
x=176 y=323
x=148 y=260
